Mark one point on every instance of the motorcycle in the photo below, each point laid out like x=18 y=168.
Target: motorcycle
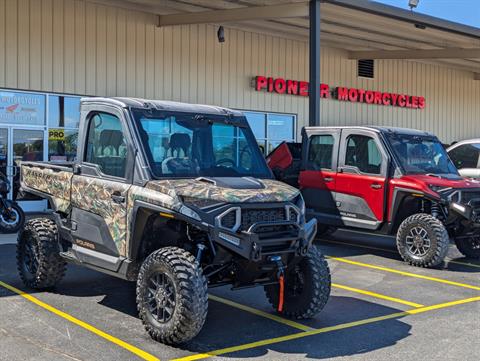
x=12 y=216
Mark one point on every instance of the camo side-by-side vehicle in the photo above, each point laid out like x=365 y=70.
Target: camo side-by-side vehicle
x=178 y=198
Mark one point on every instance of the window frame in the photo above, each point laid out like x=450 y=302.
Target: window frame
x=343 y=168
x=94 y=170
x=267 y=139
x=309 y=163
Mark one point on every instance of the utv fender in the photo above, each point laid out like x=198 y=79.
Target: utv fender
x=398 y=212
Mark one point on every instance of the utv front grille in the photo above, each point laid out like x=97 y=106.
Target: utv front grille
x=251 y=216
x=238 y=219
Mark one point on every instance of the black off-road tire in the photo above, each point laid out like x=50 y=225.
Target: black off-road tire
x=437 y=233
x=190 y=290
x=469 y=247
x=38 y=244
x=315 y=292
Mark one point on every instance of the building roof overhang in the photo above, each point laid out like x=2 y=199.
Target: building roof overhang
x=361 y=28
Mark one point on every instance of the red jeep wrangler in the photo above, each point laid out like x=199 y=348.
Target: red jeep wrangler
x=385 y=180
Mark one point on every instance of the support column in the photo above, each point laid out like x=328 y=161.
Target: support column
x=314 y=64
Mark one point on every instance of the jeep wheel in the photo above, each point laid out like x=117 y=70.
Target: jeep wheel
x=38 y=259
x=172 y=296
x=307 y=287
x=469 y=247
x=422 y=240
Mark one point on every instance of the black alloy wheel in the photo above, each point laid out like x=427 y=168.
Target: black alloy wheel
x=161 y=297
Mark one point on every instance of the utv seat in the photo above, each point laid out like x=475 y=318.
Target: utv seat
x=111 y=154
x=178 y=151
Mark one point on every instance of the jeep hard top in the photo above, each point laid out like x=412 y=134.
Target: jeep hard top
x=385 y=180
x=176 y=197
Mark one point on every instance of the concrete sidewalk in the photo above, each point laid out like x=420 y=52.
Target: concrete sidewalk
x=8 y=238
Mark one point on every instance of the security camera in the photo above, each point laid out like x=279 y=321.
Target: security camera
x=413 y=4
x=221 y=34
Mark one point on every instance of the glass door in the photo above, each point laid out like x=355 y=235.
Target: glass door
x=28 y=145
x=16 y=145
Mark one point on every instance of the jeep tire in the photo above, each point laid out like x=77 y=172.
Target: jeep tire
x=172 y=296
x=422 y=240
x=38 y=255
x=469 y=247
x=307 y=287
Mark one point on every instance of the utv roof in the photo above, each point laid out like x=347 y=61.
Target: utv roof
x=379 y=129
x=162 y=105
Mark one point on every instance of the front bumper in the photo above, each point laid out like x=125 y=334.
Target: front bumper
x=254 y=245
x=469 y=214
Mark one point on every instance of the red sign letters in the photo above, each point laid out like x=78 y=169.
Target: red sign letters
x=300 y=88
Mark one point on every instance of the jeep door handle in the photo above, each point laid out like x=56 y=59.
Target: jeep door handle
x=376 y=186
x=328 y=179
x=117 y=198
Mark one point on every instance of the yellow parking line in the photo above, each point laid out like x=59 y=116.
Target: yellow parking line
x=448 y=260
x=324 y=330
x=260 y=313
x=377 y=295
x=140 y=353
x=408 y=274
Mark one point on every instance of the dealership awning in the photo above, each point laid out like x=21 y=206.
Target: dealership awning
x=363 y=29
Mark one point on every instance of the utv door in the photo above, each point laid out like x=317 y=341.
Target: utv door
x=361 y=179
x=99 y=191
x=317 y=180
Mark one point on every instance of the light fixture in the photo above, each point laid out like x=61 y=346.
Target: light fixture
x=221 y=34
x=413 y=4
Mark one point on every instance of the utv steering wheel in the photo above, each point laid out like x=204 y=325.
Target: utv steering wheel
x=225 y=160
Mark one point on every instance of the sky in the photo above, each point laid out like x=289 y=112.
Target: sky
x=461 y=11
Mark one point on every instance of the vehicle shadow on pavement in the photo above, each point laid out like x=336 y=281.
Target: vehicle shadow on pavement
x=345 y=244
x=225 y=325
x=221 y=332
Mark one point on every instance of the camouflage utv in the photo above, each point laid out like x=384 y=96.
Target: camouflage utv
x=178 y=198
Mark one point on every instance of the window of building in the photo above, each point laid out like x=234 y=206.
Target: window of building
x=465 y=156
x=320 y=152
x=270 y=129
x=363 y=153
x=63 y=122
x=22 y=108
x=106 y=144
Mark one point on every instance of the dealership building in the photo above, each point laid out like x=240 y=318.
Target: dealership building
x=375 y=64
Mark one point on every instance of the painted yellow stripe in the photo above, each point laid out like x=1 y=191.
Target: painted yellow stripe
x=448 y=260
x=408 y=274
x=260 y=313
x=324 y=330
x=377 y=295
x=140 y=353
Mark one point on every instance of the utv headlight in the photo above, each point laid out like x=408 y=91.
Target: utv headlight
x=438 y=189
x=200 y=202
x=463 y=209
x=189 y=213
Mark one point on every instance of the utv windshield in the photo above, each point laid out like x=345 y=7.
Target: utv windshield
x=421 y=155
x=193 y=145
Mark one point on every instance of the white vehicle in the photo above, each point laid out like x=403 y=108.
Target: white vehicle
x=466 y=157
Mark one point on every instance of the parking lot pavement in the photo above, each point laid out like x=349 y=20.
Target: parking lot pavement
x=380 y=309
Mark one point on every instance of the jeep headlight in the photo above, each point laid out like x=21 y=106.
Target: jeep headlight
x=189 y=213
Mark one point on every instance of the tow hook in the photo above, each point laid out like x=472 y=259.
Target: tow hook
x=281 y=280
x=255 y=253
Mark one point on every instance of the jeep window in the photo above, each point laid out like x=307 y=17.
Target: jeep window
x=192 y=145
x=320 y=152
x=106 y=144
x=421 y=154
x=362 y=152
x=465 y=156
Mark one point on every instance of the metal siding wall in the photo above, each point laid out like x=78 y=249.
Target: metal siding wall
x=79 y=47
